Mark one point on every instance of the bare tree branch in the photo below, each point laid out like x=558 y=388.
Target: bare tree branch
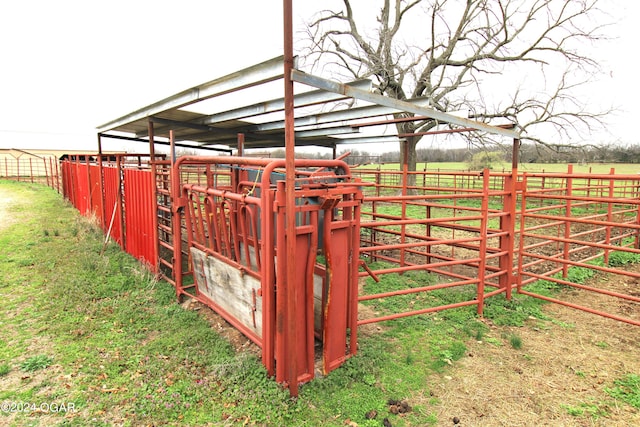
x=456 y=53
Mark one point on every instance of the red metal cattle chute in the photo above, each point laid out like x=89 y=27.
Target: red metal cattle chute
x=236 y=239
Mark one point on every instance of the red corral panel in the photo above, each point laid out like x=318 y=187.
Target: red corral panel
x=112 y=207
x=82 y=187
x=140 y=209
x=95 y=195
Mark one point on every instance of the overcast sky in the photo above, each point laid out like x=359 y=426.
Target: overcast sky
x=68 y=66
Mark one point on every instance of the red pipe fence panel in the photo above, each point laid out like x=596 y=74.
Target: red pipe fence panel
x=204 y=223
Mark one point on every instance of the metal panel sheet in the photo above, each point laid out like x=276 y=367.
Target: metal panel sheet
x=140 y=208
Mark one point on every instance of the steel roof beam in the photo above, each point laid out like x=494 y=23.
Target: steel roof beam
x=332 y=86
x=275 y=105
x=336 y=116
x=368 y=139
x=264 y=72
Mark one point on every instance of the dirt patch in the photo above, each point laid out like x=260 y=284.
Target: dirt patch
x=562 y=368
x=5 y=201
x=237 y=339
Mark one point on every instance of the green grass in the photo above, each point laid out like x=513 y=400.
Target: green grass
x=101 y=332
x=35 y=363
x=626 y=389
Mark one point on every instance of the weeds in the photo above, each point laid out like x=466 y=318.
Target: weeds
x=620 y=258
x=515 y=341
x=35 y=363
x=626 y=389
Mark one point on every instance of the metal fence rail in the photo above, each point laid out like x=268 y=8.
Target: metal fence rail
x=476 y=234
x=507 y=231
x=42 y=170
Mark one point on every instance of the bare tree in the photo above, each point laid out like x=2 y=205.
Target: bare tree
x=518 y=60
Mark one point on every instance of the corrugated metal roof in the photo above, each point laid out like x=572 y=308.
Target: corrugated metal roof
x=322 y=118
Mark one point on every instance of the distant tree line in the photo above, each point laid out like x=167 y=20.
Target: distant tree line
x=528 y=153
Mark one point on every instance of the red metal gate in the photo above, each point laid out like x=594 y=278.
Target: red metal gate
x=236 y=235
x=583 y=221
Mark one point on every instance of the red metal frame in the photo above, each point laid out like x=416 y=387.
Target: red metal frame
x=223 y=223
x=471 y=229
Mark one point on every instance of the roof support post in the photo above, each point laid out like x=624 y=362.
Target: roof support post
x=240 y=145
x=152 y=148
x=290 y=226
x=103 y=219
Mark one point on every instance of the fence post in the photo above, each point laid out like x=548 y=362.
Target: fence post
x=507 y=226
x=567 y=222
x=57 y=173
x=521 y=245
x=484 y=224
x=120 y=205
x=607 y=240
x=46 y=172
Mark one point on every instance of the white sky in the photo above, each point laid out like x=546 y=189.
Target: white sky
x=67 y=66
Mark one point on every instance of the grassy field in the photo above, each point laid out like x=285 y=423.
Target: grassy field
x=97 y=332
x=90 y=338
x=596 y=168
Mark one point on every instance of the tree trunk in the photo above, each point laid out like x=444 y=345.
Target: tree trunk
x=408 y=156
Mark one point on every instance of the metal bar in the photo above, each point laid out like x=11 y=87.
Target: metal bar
x=582 y=308
x=417 y=312
x=567 y=220
x=331 y=86
x=356 y=113
x=484 y=223
x=103 y=204
x=292 y=282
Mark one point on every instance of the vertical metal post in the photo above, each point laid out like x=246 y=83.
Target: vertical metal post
x=484 y=224
x=514 y=153
x=154 y=187
x=240 y=144
x=172 y=146
x=405 y=184
x=31 y=168
x=87 y=161
x=46 y=172
x=507 y=223
x=523 y=210
x=57 y=175
x=176 y=220
x=120 y=204
x=290 y=208
x=103 y=203
x=567 y=223
x=607 y=239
